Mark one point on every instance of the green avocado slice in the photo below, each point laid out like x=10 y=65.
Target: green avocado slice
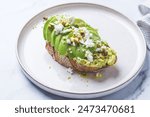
x=78 y=22
x=72 y=52
x=57 y=41
x=46 y=27
x=48 y=33
x=80 y=52
x=93 y=30
x=94 y=35
x=63 y=46
x=52 y=37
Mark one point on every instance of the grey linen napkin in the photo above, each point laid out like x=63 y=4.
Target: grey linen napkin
x=144 y=22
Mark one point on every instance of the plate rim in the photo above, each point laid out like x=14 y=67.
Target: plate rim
x=109 y=91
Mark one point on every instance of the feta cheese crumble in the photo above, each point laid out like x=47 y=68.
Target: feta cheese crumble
x=66 y=19
x=89 y=55
x=71 y=19
x=89 y=43
x=66 y=31
x=69 y=70
x=85 y=40
x=68 y=41
x=98 y=49
x=73 y=44
x=103 y=47
x=58 y=28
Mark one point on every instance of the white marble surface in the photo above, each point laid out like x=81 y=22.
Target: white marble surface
x=13 y=83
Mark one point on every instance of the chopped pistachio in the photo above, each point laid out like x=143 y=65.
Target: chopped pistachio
x=99 y=75
x=45 y=18
x=69 y=77
x=83 y=75
x=111 y=60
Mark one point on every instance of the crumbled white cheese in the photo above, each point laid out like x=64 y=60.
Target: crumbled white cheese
x=67 y=30
x=89 y=55
x=76 y=31
x=103 y=47
x=90 y=58
x=82 y=41
x=89 y=43
x=69 y=70
x=91 y=34
x=86 y=32
x=86 y=39
x=71 y=20
x=73 y=44
x=83 y=29
x=68 y=41
x=87 y=35
x=58 y=28
x=65 y=18
x=98 y=49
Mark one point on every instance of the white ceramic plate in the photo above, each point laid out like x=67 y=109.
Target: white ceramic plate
x=122 y=34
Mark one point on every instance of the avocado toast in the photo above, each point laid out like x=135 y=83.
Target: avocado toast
x=75 y=44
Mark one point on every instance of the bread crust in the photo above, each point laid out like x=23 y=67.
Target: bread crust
x=60 y=59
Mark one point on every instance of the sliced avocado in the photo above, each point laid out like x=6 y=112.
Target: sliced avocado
x=94 y=33
x=79 y=22
x=57 y=41
x=93 y=30
x=73 y=52
x=95 y=37
x=52 y=38
x=48 y=34
x=80 y=52
x=63 y=46
x=46 y=27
